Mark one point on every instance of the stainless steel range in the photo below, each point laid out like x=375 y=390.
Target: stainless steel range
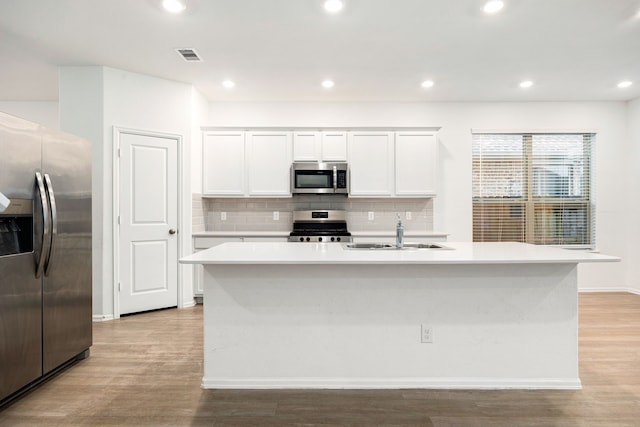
x=324 y=226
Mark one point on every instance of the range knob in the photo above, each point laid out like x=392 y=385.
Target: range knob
x=302 y=239
x=338 y=239
x=319 y=239
x=308 y=239
x=333 y=239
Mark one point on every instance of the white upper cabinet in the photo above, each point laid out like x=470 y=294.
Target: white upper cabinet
x=371 y=163
x=269 y=157
x=388 y=164
x=334 y=146
x=416 y=164
x=223 y=161
x=306 y=146
x=382 y=163
x=314 y=146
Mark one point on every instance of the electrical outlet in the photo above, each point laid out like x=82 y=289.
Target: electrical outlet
x=371 y=216
x=276 y=215
x=426 y=335
x=407 y=215
x=223 y=216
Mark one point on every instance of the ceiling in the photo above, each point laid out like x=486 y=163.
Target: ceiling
x=374 y=50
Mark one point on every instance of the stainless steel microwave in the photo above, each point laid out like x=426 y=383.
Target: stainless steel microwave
x=319 y=178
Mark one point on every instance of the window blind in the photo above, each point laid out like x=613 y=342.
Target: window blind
x=533 y=188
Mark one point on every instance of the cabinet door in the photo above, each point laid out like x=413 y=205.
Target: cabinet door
x=371 y=164
x=416 y=164
x=269 y=163
x=223 y=161
x=306 y=146
x=199 y=244
x=334 y=146
x=265 y=239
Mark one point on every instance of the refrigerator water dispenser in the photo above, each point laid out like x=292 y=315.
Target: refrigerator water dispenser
x=16 y=228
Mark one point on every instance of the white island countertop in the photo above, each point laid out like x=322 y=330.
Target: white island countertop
x=408 y=234
x=335 y=253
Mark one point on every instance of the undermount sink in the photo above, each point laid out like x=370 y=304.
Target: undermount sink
x=368 y=246
x=389 y=246
x=423 y=246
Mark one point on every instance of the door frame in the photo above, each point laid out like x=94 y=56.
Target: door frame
x=182 y=226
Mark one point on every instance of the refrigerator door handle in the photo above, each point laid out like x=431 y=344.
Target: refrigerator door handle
x=54 y=223
x=46 y=232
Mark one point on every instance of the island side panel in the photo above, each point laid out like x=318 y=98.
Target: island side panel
x=359 y=326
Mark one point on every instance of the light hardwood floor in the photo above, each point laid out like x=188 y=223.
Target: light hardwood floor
x=145 y=370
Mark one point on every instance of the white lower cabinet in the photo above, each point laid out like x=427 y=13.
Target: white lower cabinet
x=202 y=243
x=265 y=239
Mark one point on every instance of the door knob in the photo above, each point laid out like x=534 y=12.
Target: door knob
x=172 y=231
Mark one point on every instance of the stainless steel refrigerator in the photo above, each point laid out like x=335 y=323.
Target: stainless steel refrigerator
x=45 y=253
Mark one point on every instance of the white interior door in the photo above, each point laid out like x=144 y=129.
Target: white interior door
x=148 y=242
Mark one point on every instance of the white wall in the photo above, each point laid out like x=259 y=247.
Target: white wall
x=82 y=114
x=618 y=143
x=453 y=206
x=43 y=112
x=632 y=195
x=200 y=117
x=92 y=101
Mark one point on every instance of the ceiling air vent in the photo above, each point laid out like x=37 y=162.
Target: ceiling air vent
x=189 y=55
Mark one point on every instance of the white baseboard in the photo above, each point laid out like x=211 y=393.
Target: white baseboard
x=394 y=383
x=190 y=303
x=593 y=290
x=102 y=317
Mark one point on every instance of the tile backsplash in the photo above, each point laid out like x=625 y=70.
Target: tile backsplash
x=197 y=213
x=257 y=214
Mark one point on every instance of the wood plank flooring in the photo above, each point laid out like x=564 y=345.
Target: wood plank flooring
x=145 y=370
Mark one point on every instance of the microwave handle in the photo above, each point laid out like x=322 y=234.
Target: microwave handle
x=335 y=178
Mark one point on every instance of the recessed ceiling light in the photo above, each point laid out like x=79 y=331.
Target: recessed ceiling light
x=526 y=84
x=333 y=6
x=228 y=84
x=174 y=6
x=493 y=6
x=328 y=84
x=625 y=84
x=427 y=83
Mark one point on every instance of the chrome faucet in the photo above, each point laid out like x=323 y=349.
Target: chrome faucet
x=399 y=234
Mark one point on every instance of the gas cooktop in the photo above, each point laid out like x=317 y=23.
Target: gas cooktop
x=322 y=226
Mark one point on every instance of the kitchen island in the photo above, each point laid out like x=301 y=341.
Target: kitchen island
x=474 y=315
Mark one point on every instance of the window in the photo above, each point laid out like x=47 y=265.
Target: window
x=533 y=188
